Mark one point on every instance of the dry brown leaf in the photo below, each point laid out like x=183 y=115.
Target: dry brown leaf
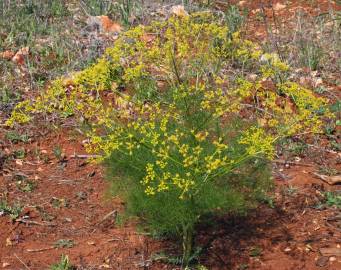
x=19 y=162
x=9 y=242
x=109 y=26
x=279 y=6
x=19 y=57
x=179 y=10
x=147 y=38
x=7 y=55
x=241 y=3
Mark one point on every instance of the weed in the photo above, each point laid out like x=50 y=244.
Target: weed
x=290 y=190
x=312 y=41
x=59 y=202
x=234 y=19
x=19 y=153
x=15 y=137
x=25 y=185
x=177 y=260
x=13 y=211
x=64 y=264
x=98 y=8
x=269 y=200
x=126 y=8
x=326 y=170
x=64 y=243
x=7 y=96
x=243 y=266
x=333 y=199
x=58 y=152
x=255 y=252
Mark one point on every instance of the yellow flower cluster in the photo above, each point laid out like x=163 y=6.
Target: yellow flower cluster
x=178 y=100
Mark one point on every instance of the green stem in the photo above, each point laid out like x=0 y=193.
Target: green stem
x=187 y=244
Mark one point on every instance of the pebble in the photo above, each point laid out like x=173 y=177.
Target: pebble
x=5 y=264
x=322 y=261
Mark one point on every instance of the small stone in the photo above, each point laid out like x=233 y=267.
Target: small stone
x=332 y=259
x=287 y=249
x=5 y=264
x=322 y=261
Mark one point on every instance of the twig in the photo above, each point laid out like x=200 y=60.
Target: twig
x=84 y=156
x=35 y=222
x=323 y=149
x=280 y=161
x=24 y=264
x=331 y=180
x=112 y=214
x=115 y=239
x=40 y=249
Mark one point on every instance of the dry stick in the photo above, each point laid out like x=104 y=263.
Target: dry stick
x=111 y=214
x=35 y=222
x=280 y=161
x=84 y=156
x=24 y=264
x=331 y=180
x=40 y=249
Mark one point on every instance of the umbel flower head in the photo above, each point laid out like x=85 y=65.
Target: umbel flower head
x=170 y=90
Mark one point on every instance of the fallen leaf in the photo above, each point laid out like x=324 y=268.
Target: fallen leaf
x=19 y=162
x=109 y=26
x=241 y=3
x=19 y=57
x=104 y=23
x=179 y=10
x=9 y=242
x=147 y=38
x=7 y=55
x=279 y=6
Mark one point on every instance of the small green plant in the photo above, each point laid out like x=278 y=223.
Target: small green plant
x=58 y=152
x=7 y=96
x=243 y=266
x=98 y=8
x=126 y=8
x=234 y=18
x=15 y=137
x=333 y=199
x=326 y=170
x=63 y=264
x=25 y=185
x=255 y=251
x=20 y=153
x=64 y=243
x=13 y=211
x=291 y=190
x=59 y=202
x=310 y=54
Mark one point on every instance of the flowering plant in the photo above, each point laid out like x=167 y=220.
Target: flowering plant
x=171 y=108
